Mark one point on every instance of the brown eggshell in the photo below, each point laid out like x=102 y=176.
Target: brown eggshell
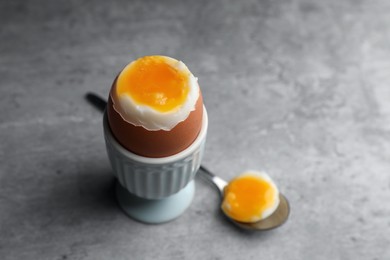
x=159 y=143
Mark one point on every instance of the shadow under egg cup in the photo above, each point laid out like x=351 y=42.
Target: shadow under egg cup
x=155 y=190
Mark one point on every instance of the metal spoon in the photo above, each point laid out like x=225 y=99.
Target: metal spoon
x=96 y=101
x=275 y=220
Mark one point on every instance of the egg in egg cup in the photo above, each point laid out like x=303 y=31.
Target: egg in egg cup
x=155 y=128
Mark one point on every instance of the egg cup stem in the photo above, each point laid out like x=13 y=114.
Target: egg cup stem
x=155 y=211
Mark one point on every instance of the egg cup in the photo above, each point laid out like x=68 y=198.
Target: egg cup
x=155 y=190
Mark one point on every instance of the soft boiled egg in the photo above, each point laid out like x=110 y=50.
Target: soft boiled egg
x=155 y=107
x=250 y=197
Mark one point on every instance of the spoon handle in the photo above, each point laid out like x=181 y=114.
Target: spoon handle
x=217 y=181
x=96 y=101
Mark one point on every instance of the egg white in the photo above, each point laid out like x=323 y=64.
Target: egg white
x=154 y=120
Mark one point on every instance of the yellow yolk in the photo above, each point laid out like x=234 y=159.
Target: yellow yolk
x=248 y=197
x=156 y=82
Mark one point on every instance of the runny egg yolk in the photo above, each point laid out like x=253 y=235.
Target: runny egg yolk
x=250 y=198
x=155 y=81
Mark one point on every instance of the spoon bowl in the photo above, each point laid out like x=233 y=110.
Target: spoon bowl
x=275 y=220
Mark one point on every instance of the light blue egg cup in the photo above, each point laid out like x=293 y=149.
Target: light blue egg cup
x=155 y=190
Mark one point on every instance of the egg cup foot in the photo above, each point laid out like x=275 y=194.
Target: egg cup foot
x=155 y=211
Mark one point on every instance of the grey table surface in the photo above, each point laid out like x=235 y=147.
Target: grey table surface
x=298 y=88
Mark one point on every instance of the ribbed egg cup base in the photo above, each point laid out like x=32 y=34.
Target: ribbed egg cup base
x=155 y=211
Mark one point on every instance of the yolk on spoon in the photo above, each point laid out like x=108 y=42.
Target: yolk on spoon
x=250 y=198
x=155 y=81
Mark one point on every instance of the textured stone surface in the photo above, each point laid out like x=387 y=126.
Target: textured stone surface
x=299 y=88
